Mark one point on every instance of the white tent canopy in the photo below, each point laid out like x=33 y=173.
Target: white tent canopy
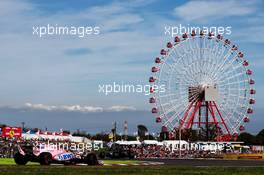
x=128 y=142
x=150 y=142
x=27 y=136
x=76 y=139
x=167 y=142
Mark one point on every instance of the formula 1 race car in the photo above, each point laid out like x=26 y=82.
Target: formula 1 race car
x=47 y=156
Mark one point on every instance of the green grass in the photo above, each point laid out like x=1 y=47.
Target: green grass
x=8 y=167
x=10 y=161
x=121 y=161
x=133 y=170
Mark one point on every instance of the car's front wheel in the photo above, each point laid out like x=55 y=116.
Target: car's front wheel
x=20 y=159
x=45 y=158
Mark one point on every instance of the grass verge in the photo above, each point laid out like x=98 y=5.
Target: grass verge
x=10 y=161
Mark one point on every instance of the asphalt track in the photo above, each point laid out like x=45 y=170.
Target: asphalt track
x=210 y=162
x=188 y=162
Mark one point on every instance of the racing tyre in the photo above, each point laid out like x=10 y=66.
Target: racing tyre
x=91 y=159
x=45 y=158
x=20 y=159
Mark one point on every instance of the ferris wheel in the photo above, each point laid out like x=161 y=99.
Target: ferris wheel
x=207 y=82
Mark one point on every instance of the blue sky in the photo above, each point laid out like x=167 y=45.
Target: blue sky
x=66 y=71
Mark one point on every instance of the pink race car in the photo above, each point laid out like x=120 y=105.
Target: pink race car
x=46 y=156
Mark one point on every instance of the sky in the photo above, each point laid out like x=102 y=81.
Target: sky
x=53 y=81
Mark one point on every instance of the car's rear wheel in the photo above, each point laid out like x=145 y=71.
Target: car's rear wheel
x=91 y=159
x=45 y=158
x=20 y=159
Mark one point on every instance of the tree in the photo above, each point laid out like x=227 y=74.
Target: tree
x=101 y=136
x=247 y=138
x=142 y=130
x=260 y=137
x=186 y=134
x=164 y=134
x=79 y=133
x=66 y=132
x=209 y=134
x=131 y=138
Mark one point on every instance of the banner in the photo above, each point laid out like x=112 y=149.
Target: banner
x=11 y=132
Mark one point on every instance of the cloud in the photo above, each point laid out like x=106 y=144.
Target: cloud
x=79 y=108
x=212 y=10
x=121 y=108
x=43 y=69
x=122 y=21
x=109 y=17
x=14 y=7
x=48 y=60
x=40 y=106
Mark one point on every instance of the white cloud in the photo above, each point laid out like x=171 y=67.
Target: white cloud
x=79 y=108
x=212 y=10
x=108 y=17
x=14 y=7
x=39 y=70
x=122 y=21
x=43 y=70
x=40 y=106
x=121 y=108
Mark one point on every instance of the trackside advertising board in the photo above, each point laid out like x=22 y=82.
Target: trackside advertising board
x=11 y=132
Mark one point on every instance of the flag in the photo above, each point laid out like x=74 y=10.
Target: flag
x=109 y=144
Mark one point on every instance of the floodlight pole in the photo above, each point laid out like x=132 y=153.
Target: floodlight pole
x=180 y=142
